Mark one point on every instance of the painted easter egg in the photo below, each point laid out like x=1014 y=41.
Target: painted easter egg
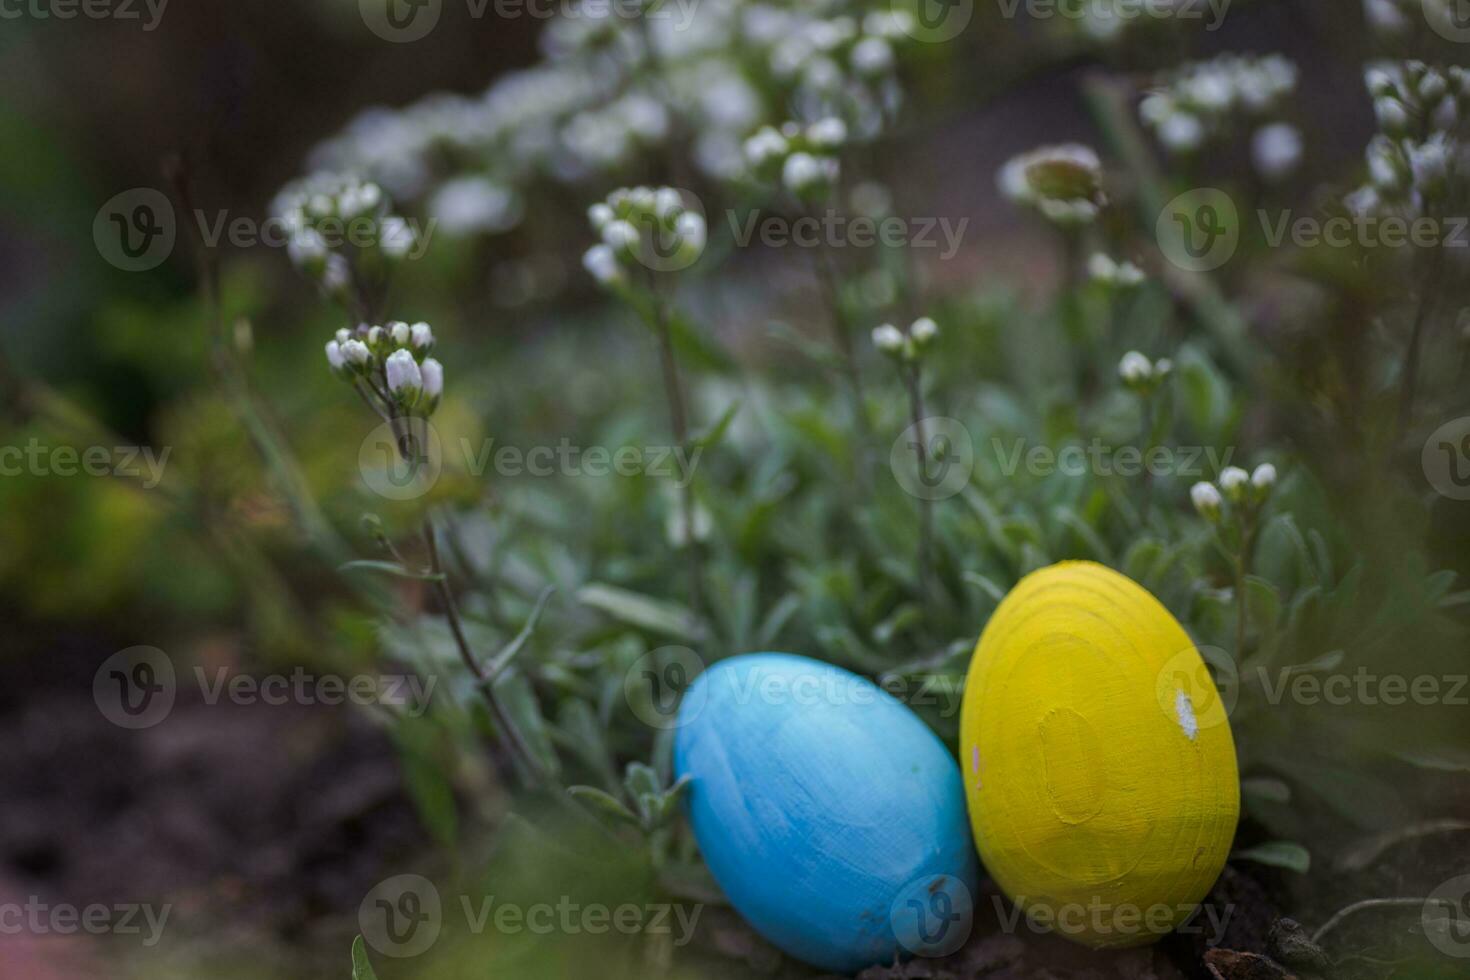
x=1098 y=761
x=830 y=815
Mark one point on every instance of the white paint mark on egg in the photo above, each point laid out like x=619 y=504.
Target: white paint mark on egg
x=1184 y=709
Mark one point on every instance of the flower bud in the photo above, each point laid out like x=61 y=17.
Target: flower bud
x=600 y=261
x=433 y=375
x=335 y=358
x=599 y=215
x=620 y=236
x=888 y=339
x=804 y=174
x=1263 y=479
x=1135 y=370
x=1233 y=480
x=827 y=134
x=1206 y=500
x=356 y=354
x=405 y=378
x=421 y=337
x=923 y=331
x=398 y=330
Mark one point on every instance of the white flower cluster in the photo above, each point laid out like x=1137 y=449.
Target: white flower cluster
x=1198 y=102
x=906 y=345
x=1102 y=268
x=1141 y=375
x=801 y=157
x=1241 y=489
x=1063 y=182
x=1396 y=18
x=651 y=226
x=326 y=213
x=392 y=365
x=615 y=82
x=1420 y=109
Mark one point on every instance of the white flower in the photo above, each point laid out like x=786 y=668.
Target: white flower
x=602 y=263
x=1233 y=480
x=923 y=330
x=1206 y=500
x=1181 y=132
x=1276 y=150
x=404 y=375
x=1392 y=116
x=374 y=336
x=767 y=144
x=421 y=337
x=888 y=339
x=1264 y=477
x=343 y=335
x=599 y=215
x=1135 y=369
x=690 y=229
x=468 y=205
x=1163 y=367
x=620 y=236
x=667 y=203
x=1430 y=162
x=398 y=330
x=433 y=375
x=827 y=134
x=1102 y=268
x=305 y=247
x=395 y=237
x=356 y=353
x=803 y=172
x=872 y=56
x=335 y=357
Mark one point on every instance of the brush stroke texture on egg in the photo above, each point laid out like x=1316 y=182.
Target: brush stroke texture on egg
x=819 y=802
x=1104 y=780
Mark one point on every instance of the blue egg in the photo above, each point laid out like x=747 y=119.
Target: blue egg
x=831 y=816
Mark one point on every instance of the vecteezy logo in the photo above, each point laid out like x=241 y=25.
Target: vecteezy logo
x=401 y=21
x=1199 y=230
x=1446 y=458
x=1450 y=19
x=135 y=688
x=933 y=458
x=135 y=230
x=933 y=21
x=657 y=684
x=401 y=916
x=932 y=916
x=401 y=460
x=1198 y=689
x=1446 y=917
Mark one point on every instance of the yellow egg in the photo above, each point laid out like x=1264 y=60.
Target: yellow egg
x=1099 y=767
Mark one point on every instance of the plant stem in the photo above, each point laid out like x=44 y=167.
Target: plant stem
x=1242 y=568
x=1428 y=300
x=826 y=273
x=914 y=382
x=679 y=422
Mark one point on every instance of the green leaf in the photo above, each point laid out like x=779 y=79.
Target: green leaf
x=389 y=568
x=644 y=612
x=508 y=653
x=607 y=807
x=362 y=969
x=1266 y=790
x=1264 y=604
x=514 y=692
x=712 y=436
x=1278 y=854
